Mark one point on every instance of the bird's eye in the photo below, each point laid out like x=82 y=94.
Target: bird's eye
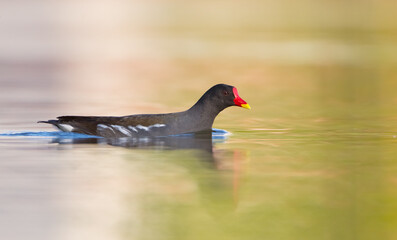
x=225 y=93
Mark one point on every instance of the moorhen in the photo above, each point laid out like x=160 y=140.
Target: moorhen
x=198 y=118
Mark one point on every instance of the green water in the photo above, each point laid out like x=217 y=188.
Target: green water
x=314 y=159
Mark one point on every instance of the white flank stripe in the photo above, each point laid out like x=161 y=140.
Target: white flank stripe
x=142 y=127
x=157 y=125
x=132 y=128
x=65 y=127
x=122 y=129
x=103 y=126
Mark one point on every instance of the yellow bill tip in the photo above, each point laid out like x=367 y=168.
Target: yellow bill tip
x=247 y=106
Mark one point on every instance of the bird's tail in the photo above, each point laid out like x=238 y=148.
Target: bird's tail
x=53 y=122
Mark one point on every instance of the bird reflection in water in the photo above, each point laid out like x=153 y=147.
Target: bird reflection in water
x=217 y=176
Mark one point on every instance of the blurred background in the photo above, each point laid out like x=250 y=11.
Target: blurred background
x=314 y=159
x=124 y=53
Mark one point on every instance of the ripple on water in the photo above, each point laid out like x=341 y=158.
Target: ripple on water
x=216 y=134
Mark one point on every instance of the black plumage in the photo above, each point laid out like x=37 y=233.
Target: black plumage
x=199 y=117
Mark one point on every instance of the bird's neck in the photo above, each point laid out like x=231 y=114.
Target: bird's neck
x=204 y=112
